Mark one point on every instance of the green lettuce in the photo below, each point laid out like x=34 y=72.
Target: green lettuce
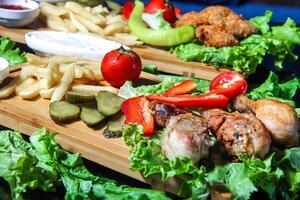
x=128 y=91
x=271 y=88
x=20 y=167
x=290 y=164
x=278 y=41
x=42 y=164
x=10 y=53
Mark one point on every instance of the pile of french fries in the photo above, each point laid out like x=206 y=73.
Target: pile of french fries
x=52 y=77
x=97 y=21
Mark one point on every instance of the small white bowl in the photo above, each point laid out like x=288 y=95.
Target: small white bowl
x=4 y=69
x=18 y=18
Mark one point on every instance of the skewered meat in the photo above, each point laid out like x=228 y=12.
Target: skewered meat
x=241 y=133
x=162 y=112
x=279 y=118
x=215 y=22
x=186 y=135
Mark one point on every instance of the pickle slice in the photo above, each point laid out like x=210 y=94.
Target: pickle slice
x=62 y=111
x=78 y=97
x=114 y=126
x=91 y=116
x=108 y=103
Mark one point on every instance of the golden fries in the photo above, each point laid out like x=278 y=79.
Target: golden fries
x=97 y=21
x=51 y=77
x=92 y=89
x=25 y=84
x=64 y=84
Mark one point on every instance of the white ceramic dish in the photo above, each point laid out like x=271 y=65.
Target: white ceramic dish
x=18 y=18
x=70 y=44
x=4 y=69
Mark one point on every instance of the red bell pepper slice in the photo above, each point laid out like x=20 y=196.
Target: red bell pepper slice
x=127 y=9
x=206 y=101
x=230 y=84
x=183 y=88
x=137 y=111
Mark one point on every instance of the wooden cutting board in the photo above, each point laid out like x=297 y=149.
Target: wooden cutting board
x=165 y=61
x=28 y=116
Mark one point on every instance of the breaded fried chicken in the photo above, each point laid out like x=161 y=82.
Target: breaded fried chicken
x=213 y=36
x=218 y=26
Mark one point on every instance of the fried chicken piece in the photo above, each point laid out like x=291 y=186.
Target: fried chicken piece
x=186 y=135
x=241 y=133
x=279 y=118
x=225 y=26
x=190 y=18
x=162 y=112
x=238 y=26
x=214 y=36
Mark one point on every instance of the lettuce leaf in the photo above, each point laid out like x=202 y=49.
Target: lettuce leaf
x=278 y=41
x=290 y=164
x=42 y=164
x=10 y=53
x=20 y=167
x=271 y=88
x=128 y=91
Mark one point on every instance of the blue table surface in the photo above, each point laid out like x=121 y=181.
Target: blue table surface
x=248 y=10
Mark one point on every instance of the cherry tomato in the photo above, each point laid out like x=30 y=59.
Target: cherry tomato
x=168 y=9
x=121 y=65
x=127 y=9
x=230 y=84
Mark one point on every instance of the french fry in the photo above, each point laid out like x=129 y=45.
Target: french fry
x=113 y=28
x=89 y=25
x=79 y=10
x=88 y=73
x=77 y=24
x=9 y=89
x=57 y=23
x=64 y=84
x=78 y=72
x=36 y=60
x=92 y=89
x=49 y=9
x=47 y=94
x=33 y=90
x=71 y=27
x=62 y=59
x=114 y=19
x=25 y=84
x=98 y=74
x=100 y=10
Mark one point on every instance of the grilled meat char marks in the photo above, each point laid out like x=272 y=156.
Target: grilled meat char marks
x=218 y=26
x=241 y=133
x=279 y=118
x=162 y=112
x=186 y=135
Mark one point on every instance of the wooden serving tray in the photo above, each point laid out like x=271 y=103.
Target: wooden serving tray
x=28 y=116
x=165 y=61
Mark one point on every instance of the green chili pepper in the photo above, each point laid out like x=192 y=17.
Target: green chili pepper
x=169 y=37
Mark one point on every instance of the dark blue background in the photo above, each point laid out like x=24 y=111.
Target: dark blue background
x=248 y=9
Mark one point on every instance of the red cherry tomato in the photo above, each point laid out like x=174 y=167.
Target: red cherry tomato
x=230 y=84
x=168 y=9
x=127 y=9
x=121 y=65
